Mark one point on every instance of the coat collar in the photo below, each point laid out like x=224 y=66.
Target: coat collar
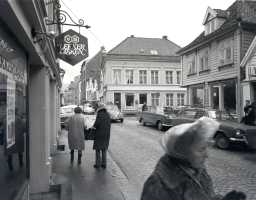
x=170 y=172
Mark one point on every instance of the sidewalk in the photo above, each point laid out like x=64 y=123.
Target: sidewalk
x=83 y=182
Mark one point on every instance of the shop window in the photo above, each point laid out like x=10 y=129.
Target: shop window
x=143 y=98
x=180 y=99
x=197 y=97
x=13 y=117
x=169 y=99
x=229 y=92
x=155 y=99
x=129 y=98
x=12 y=135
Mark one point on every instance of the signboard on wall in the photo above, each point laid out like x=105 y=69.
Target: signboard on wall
x=72 y=47
x=10 y=126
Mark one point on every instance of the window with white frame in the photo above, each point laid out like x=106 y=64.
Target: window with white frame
x=168 y=77
x=178 y=77
x=116 y=76
x=129 y=76
x=203 y=61
x=155 y=99
x=192 y=66
x=226 y=53
x=180 y=99
x=143 y=76
x=154 y=77
x=169 y=99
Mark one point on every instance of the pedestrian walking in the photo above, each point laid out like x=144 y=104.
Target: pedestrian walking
x=76 y=127
x=251 y=116
x=144 y=107
x=247 y=107
x=181 y=174
x=102 y=136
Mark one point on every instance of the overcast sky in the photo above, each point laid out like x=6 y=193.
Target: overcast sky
x=112 y=21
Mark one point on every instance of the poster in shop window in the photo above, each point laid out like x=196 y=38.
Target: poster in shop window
x=10 y=133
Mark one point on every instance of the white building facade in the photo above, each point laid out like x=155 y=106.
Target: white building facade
x=130 y=80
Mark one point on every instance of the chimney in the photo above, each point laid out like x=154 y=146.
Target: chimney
x=165 y=37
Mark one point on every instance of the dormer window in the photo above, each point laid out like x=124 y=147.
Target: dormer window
x=213 y=19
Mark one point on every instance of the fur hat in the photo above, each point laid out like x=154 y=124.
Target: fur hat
x=100 y=106
x=177 y=140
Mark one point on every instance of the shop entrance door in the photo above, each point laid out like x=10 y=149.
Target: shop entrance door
x=117 y=99
x=215 y=97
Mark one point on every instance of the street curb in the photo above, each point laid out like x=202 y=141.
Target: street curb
x=121 y=179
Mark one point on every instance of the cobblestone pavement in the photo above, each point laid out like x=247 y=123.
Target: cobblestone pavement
x=135 y=151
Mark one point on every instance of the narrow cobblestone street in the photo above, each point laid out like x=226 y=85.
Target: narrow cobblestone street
x=135 y=150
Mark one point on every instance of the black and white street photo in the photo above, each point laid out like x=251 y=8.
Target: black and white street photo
x=127 y=100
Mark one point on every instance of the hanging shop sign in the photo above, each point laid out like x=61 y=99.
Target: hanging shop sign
x=71 y=47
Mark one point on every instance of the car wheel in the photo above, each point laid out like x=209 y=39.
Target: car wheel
x=121 y=120
x=159 y=126
x=221 y=141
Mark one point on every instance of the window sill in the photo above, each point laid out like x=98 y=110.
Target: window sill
x=191 y=74
x=225 y=65
x=204 y=71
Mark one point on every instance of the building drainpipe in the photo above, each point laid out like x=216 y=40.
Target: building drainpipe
x=238 y=108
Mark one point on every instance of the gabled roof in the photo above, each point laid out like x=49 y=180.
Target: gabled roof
x=235 y=14
x=250 y=52
x=146 y=46
x=221 y=13
x=93 y=65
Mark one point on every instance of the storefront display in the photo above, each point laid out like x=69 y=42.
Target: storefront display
x=13 y=116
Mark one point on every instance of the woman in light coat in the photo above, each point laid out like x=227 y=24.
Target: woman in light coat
x=180 y=174
x=76 y=126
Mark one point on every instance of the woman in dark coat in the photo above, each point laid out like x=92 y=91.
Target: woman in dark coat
x=180 y=174
x=102 y=136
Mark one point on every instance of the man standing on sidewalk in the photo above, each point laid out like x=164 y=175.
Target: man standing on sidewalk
x=76 y=126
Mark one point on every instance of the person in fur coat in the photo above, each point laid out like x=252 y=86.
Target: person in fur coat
x=181 y=174
x=102 y=127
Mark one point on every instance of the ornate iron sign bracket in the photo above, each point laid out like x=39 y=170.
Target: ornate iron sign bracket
x=60 y=17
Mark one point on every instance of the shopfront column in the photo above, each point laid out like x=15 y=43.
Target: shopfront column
x=39 y=120
x=53 y=115
x=221 y=97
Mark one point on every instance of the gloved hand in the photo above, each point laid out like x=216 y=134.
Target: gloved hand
x=234 y=195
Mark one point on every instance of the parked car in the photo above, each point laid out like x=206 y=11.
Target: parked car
x=88 y=109
x=65 y=113
x=159 y=117
x=115 y=113
x=230 y=131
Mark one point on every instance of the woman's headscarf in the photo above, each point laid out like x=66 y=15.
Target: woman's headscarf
x=178 y=140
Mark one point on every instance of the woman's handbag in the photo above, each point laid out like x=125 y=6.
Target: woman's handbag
x=89 y=134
